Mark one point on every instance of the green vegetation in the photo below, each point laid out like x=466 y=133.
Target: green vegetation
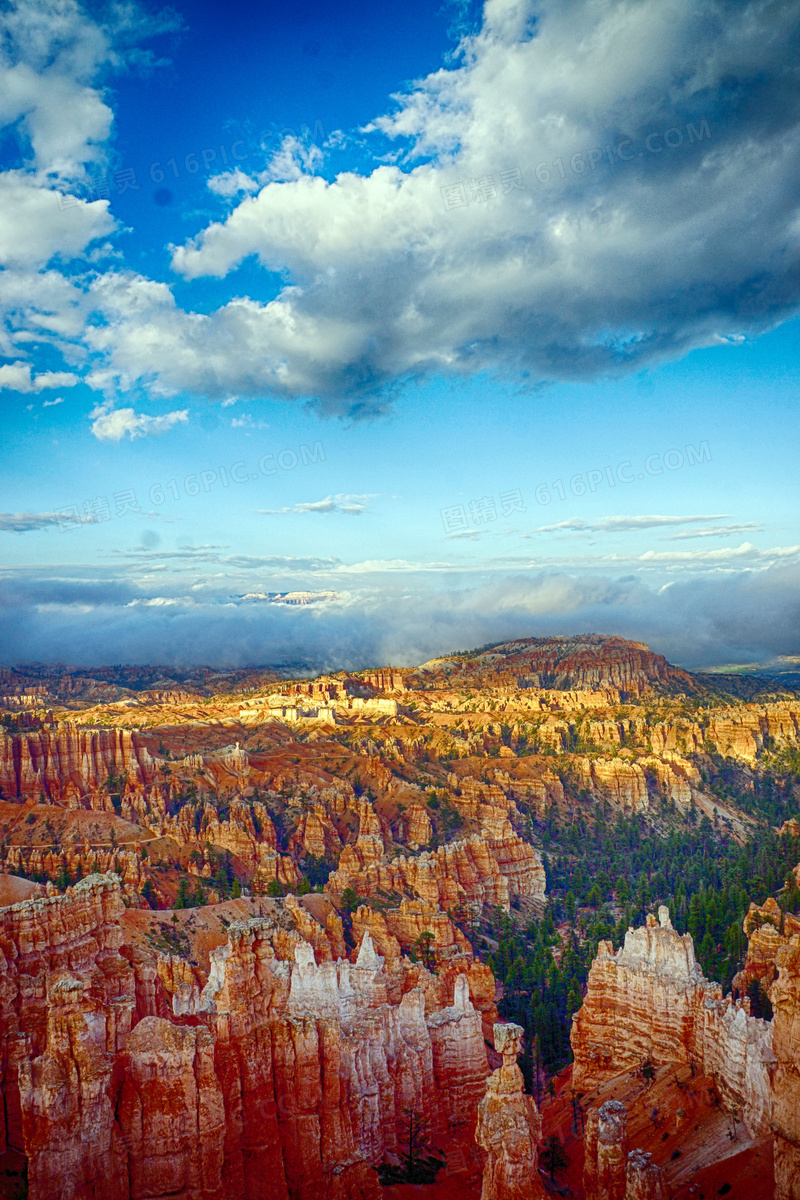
x=190 y=896
x=170 y=940
x=417 y=1164
x=767 y=794
x=606 y=876
x=424 y=951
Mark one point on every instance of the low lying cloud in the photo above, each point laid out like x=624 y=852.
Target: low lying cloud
x=745 y=616
x=27 y=522
x=113 y=424
x=715 y=531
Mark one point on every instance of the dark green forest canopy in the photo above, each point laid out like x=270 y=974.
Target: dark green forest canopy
x=606 y=875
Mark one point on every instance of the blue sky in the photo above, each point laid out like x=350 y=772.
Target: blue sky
x=482 y=319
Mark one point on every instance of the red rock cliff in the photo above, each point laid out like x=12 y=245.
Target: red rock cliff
x=285 y=1080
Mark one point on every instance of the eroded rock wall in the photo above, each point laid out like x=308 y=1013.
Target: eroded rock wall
x=285 y=1079
x=650 y=1002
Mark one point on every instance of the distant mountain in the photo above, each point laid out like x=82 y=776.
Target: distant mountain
x=584 y=662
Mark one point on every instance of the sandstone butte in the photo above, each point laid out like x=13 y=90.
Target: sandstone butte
x=284 y=1078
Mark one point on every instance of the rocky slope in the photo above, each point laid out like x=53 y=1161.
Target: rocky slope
x=588 y=662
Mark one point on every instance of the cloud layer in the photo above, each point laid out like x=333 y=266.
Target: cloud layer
x=620 y=186
x=745 y=617
x=590 y=186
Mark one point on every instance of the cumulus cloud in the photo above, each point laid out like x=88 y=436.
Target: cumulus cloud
x=231 y=183
x=113 y=424
x=50 y=60
x=600 y=164
x=294 y=158
x=54 y=60
x=351 y=506
x=17 y=377
x=34 y=226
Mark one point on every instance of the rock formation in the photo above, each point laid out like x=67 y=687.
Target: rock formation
x=67 y=763
x=592 y=661
x=274 y=1056
x=509 y=1127
x=611 y=1171
x=644 y=1180
x=785 y=997
x=605 y=1152
x=475 y=871
x=767 y=928
x=285 y=1079
x=650 y=1002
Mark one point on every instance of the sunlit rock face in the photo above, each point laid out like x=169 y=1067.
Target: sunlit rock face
x=67 y=999
x=767 y=928
x=650 y=1002
x=509 y=1127
x=285 y=1078
x=67 y=763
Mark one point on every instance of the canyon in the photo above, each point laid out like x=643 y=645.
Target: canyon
x=248 y=925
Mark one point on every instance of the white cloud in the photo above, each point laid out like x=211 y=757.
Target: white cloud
x=113 y=424
x=351 y=506
x=17 y=377
x=54 y=60
x=625 y=524
x=55 y=379
x=723 y=555
x=52 y=403
x=715 y=531
x=34 y=227
x=293 y=159
x=600 y=262
x=469 y=535
x=26 y=522
x=50 y=60
x=231 y=183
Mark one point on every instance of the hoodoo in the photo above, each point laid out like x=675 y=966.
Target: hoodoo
x=284 y=1080
x=509 y=1126
x=612 y=1171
